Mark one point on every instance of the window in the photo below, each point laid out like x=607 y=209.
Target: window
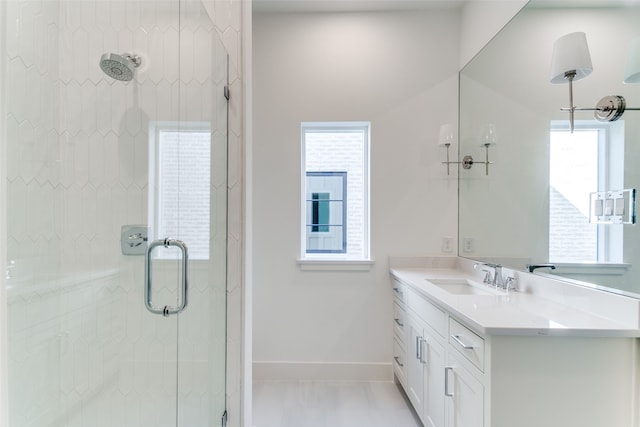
x=326 y=212
x=179 y=190
x=335 y=208
x=591 y=159
x=320 y=212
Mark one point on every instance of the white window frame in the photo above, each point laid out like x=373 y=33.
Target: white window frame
x=610 y=152
x=336 y=260
x=154 y=191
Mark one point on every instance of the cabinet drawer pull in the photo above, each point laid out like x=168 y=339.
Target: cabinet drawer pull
x=397 y=359
x=398 y=322
x=398 y=291
x=446 y=381
x=422 y=352
x=457 y=339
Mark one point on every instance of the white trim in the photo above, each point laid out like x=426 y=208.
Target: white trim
x=599 y=268
x=322 y=371
x=242 y=339
x=342 y=126
x=307 y=264
x=4 y=369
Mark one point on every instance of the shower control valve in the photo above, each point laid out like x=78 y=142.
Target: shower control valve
x=133 y=239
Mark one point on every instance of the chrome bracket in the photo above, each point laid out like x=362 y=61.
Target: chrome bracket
x=610 y=108
x=467 y=162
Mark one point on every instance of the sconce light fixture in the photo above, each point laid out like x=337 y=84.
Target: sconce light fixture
x=571 y=61
x=446 y=139
x=488 y=137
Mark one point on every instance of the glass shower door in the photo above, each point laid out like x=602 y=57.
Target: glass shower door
x=90 y=157
x=201 y=357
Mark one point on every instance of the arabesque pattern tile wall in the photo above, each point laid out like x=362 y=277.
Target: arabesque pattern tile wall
x=81 y=345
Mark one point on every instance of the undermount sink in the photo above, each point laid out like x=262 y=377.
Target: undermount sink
x=462 y=287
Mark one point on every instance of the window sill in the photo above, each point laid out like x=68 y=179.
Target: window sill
x=310 y=264
x=588 y=268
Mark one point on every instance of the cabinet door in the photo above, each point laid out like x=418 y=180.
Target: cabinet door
x=434 y=404
x=465 y=396
x=415 y=367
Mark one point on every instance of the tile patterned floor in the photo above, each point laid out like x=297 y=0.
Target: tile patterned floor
x=331 y=403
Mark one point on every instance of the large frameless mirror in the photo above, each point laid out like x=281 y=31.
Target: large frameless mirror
x=535 y=206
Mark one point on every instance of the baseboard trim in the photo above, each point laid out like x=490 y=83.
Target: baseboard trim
x=329 y=371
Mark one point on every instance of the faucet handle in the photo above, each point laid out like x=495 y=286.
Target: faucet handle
x=510 y=284
x=487 y=276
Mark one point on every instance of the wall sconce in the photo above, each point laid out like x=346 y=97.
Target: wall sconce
x=488 y=137
x=445 y=139
x=571 y=61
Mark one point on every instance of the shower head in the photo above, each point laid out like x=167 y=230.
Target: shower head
x=120 y=67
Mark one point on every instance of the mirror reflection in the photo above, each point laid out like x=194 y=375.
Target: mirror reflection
x=551 y=195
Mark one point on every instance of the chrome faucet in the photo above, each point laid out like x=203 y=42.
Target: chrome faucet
x=531 y=267
x=498 y=279
x=487 y=273
x=510 y=284
x=495 y=279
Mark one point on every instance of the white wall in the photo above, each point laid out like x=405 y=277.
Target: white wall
x=399 y=71
x=481 y=21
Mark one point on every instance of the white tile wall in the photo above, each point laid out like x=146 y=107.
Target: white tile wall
x=82 y=349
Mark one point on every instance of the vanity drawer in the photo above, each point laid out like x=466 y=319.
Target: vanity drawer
x=399 y=321
x=399 y=292
x=399 y=361
x=434 y=316
x=467 y=342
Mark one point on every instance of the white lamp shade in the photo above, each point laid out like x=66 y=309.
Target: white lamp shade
x=570 y=52
x=632 y=69
x=446 y=134
x=488 y=135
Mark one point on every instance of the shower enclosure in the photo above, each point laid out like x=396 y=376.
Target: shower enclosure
x=114 y=194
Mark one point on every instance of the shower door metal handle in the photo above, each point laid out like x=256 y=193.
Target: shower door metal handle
x=167 y=310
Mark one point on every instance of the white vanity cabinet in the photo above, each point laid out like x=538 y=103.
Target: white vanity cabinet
x=456 y=376
x=399 y=332
x=425 y=373
x=439 y=387
x=464 y=393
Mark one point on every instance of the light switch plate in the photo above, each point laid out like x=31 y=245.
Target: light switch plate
x=613 y=207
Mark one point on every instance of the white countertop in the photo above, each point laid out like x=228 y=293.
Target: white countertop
x=515 y=313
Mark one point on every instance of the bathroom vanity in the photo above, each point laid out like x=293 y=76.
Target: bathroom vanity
x=549 y=354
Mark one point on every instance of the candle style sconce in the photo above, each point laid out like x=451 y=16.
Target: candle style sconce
x=571 y=61
x=445 y=139
x=487 y=137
